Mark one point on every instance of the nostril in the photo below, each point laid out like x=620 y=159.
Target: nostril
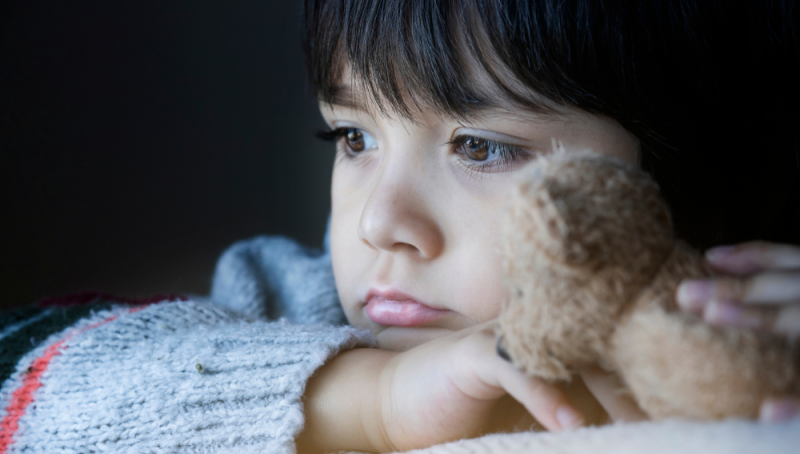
x=409 y=248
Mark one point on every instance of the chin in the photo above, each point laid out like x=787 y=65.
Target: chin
x=400 y=339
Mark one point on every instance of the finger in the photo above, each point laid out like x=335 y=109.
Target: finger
x=734 y=314
x=788 y=322
x=779 y=409
x=776 y=287
x=543 y=400
x=784 y=320
x=755 y=256
x=612 y=394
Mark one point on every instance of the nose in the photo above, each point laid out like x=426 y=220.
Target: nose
x=397 y=216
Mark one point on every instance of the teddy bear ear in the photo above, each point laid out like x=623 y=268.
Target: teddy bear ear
x=550 y=222
x=535 y=219
x=589 y=212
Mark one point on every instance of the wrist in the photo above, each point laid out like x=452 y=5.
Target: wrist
x=376 y=409
x=343 y=404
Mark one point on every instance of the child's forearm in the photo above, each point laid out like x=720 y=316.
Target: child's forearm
x=442 y=390
x=342 y=404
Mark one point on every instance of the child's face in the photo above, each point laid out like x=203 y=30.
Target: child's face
x=416 y=209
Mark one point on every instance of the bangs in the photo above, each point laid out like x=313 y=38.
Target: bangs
x=457 y=57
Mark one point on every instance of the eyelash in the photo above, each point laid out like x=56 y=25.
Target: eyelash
x=508 y=154
x=333 y=135
x=336 y=135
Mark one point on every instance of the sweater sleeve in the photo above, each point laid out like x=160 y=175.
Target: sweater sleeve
x=270 y=277
x=171 y=377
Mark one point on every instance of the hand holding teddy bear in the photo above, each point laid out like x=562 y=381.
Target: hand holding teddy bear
x=593 y=267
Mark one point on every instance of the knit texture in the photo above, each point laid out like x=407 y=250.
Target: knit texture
x=172 y=377
x=272 y=277
x=18 y=338
x=179 y=376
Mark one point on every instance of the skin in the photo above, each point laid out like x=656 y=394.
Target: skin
x=415 y=214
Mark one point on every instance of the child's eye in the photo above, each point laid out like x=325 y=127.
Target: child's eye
x=355 y=139
x=487 y=155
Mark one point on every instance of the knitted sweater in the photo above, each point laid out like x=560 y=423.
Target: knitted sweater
x=176 y=375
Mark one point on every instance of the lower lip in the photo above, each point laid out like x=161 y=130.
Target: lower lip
x=400 y=313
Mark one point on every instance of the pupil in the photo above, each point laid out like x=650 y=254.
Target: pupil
x=355 y=140
x=477 y=149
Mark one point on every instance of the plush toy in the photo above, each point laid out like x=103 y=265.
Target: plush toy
x=593 y=264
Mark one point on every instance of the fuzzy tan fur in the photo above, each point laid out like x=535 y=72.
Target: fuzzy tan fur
x=593 y=264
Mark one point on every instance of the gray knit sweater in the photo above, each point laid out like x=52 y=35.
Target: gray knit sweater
x=219 y=374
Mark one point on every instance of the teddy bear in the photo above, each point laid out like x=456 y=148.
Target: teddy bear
x=592 y=265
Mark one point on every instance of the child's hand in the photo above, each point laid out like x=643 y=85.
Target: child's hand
x=444 y=390
x=608 y=389
x=762 y=292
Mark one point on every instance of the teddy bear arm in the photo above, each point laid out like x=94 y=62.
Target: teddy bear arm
x=677 y=366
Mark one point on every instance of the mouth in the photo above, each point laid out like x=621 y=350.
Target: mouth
x=392 y=308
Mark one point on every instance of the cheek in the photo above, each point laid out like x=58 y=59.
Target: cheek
x=344 y=259
x=475 y=269
x=484 y=286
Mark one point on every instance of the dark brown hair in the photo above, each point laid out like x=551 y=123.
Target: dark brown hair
x=710 y=88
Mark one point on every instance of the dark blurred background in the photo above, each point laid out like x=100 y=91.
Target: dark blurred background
x=139 y=139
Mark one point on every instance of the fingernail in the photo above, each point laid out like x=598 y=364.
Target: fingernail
x=501 y=351
x=730 y=313
x=719 y=253
x=779 y=410
x=568 y=417
x=694 y=294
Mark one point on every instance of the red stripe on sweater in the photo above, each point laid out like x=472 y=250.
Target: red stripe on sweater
x=23 y=396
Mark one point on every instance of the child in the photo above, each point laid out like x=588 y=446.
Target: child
x=434 y=108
